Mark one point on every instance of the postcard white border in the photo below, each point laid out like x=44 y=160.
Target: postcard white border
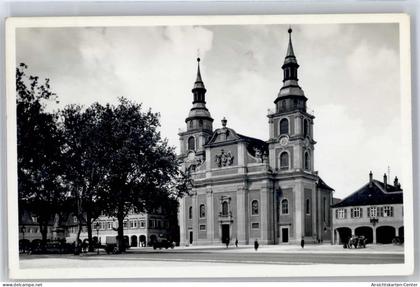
x=231 y=270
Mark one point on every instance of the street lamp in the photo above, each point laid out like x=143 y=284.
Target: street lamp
x=97 y=226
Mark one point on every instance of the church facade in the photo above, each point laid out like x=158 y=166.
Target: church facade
x=247 y=189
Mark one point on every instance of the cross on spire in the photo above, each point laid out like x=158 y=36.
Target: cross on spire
x=198 y=82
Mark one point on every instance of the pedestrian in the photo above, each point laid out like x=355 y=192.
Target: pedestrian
x=256 y=244
x=227 y=243
x=236 y=242
x=302 y=242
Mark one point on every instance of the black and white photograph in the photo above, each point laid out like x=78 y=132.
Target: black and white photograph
x=209 y=146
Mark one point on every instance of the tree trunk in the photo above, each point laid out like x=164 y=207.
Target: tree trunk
x=77 y=245
x=120 y=238
x=43 y=228
x=89 y=229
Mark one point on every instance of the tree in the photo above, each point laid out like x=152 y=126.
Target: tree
x=39 y=143
x=84 y=164
x=140 y=166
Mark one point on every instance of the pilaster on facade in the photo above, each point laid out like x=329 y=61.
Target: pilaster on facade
x=313 y=212
x=208 y=163
x=264 y=214
x=297 y=157
x=195 y=217
x=271 y=127
x=210 y=214
x=299 y=223
x=182 y=223
x=298 y=124
x=242 y=215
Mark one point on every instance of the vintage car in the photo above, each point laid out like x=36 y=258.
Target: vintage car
x=163 y=243
x=111 y=244
x=357 y=242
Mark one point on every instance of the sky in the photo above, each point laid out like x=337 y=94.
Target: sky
x=350 y=74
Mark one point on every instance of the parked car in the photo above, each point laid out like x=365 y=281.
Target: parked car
x=111 y=244
x=163 y=243
x=357 y=242
x=398 y=240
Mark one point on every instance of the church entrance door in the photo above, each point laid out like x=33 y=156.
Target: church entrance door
x=285 y=235
x=225 y=233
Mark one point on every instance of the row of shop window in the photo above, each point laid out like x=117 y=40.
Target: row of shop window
x=133 y=224
x=372 y=212
x=33 y=229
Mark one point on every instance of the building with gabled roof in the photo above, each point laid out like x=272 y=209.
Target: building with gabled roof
x=375 y=211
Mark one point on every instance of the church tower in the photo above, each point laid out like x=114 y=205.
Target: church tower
x=199 y=126
x=302 y=200
x=291 y=134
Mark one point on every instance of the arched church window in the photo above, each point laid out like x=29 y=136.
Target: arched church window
x=305 y=128
x=191 y=143
x=190 y=212
x=225 y=209
x=202 y=211
x=200 y=123
x=285 y=206
x=284 y=160
x=284 y=126
x=254 y=206
x=307 y=159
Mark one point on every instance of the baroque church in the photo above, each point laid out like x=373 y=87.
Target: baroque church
x=247 y=189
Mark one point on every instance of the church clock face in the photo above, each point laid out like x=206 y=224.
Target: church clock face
x=284 y=141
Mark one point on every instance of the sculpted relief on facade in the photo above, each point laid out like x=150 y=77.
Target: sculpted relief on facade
x=224 y=159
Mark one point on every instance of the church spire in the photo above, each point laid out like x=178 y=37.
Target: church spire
x=290 y=65
x=198 y=82
x=290 y=52
x=199 y=114
x=291 y=88
x=199 y=90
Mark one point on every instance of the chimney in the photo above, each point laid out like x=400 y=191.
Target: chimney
x=370 y=178
x=385 y=181
x=397 y=185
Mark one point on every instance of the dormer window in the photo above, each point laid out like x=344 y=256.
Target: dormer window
x=284 y=126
